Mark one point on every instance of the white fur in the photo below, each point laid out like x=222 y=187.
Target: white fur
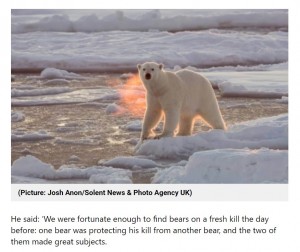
x=180 y=97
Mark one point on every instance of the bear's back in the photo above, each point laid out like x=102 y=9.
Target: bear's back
x=191 y=77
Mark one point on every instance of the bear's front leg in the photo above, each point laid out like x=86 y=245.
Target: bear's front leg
x=170 y=124
x=151 y=119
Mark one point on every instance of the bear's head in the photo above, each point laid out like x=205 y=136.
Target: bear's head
x=149 y=71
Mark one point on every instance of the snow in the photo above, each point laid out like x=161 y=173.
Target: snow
x=69 y=127
x=18 y=136
x=120 y=49
x=247 y=59
x=59 y=82
x=29 y=166
x=249 y=152
x=17 y=116
x=284 y=99
x=110 y=97
x=126 y=76
x=257 y=84
x=135 y=125
x=130 y=163
x=144 y=20
x=269 y=132
x=114 y=109
x=74 y=159
x=118 y=36
x=75 y=96
x=270 y=84
x=53 y=73
x=40 y=91
x=238 y=68
x=32 y=168
x=84 y=141
x=115 y=177
x=229 y=166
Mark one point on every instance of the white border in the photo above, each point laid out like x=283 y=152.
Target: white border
x=284 y=214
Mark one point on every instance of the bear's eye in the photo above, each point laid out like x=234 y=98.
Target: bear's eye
x=152 y=69
x=144 y=69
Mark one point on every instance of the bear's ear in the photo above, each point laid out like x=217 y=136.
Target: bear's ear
x=161 y=66
x=139 y=66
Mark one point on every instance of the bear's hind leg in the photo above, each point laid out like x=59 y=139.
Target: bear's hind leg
x=215 y=120
x=186 y=125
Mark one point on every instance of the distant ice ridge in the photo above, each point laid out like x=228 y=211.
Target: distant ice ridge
x=270 y=132
x=120 y=50
x=31 y=169
x=229 y=166
x=144 y=20
x=238 y=68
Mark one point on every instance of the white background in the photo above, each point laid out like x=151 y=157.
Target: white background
x=285 y=215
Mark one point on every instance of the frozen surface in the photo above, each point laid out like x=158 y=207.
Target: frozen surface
x=113 y=109
x=284 y=99
x=133 y=125
x=120 y=49
x=17 y=116
x=24 y=21
x=266 y=84
x=249 y=152
x=269 y=132
x=219 y=43
x=131 y=163
x=32 y=168
x=76 y=96
x=229 y=166
x=59 y=82
x=238 y=68
x=53 y=73
x=30 y=136
x=40 y=91
x=84 y=141
x=257 y=84
x=71 y=39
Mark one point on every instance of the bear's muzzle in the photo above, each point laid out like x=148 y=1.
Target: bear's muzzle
x=147 y=76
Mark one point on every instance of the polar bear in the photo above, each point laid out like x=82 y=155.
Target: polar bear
x=180 y=97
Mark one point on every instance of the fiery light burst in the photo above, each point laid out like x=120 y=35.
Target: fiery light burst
x=132 y=96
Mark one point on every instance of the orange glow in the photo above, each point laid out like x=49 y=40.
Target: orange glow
x=132 y=95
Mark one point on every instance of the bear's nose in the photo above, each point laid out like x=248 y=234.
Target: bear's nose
x=148 y=76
